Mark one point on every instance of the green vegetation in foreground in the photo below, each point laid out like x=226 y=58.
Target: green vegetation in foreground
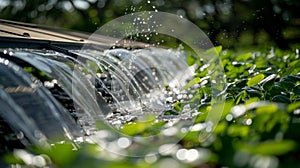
x=259 y=125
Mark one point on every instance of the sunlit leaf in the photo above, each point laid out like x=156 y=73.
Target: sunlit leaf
x=243 y=57
x=191 y=59
x=255 y=80
x=293 y=106
x=134 y=128
x=270 y=108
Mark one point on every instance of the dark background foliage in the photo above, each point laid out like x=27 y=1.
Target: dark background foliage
x=230 y=23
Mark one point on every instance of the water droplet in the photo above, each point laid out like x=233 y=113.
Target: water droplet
x=229 y=117
x=248 y=121
x=150 y=158
x=181 y=154
x=124 y=142
x=192 y=155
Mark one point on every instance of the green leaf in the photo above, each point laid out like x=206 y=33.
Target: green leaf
x=276 y=90
x=243 y=57
x=293 y=106
x=287 y=85
x=62 y=155
x=255 y=80
x=252 y=100
x=12 y=159
x=268 y=82
x=271 y=147
x=270 y=108
x=281 y=99
x=194 y=81
x=212 y=52
x=253 y=91
x=238 y=130
x=296 y=90
x=177 y=106
x=134 y=128
x=191 y=59
x=171 y=112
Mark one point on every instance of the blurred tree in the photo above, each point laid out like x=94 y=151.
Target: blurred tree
x=225 y=21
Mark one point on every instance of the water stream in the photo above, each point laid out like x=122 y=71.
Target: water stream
x=29 y=108
x=113 y=86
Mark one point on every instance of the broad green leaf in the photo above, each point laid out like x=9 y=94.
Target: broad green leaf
x=281 y=99
x=255 y=80
x=293 y=106
x=270 y=108
x=191 y=60
x=251 y=100
x=194 y=81
x=220 y=128
x=134 y=128
x=62 y=155
x=276 y=90
x=243 y=57
x=253 y=91
x=287 y=85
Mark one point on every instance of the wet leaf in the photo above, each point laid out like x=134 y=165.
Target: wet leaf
x=255 y=80
x=171 y=112
x=191 y=60
x=268 y=82
x=281 y=99
x=134 y=128
x=194 y=81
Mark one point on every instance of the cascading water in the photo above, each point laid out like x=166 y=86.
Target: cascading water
x=115 y=94
x=30 y=109
x=115 y=86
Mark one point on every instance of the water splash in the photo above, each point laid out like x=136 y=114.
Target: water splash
x=117 y=86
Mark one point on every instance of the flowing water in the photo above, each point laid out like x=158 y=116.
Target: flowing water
x=29 y=108
x=76 y=90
